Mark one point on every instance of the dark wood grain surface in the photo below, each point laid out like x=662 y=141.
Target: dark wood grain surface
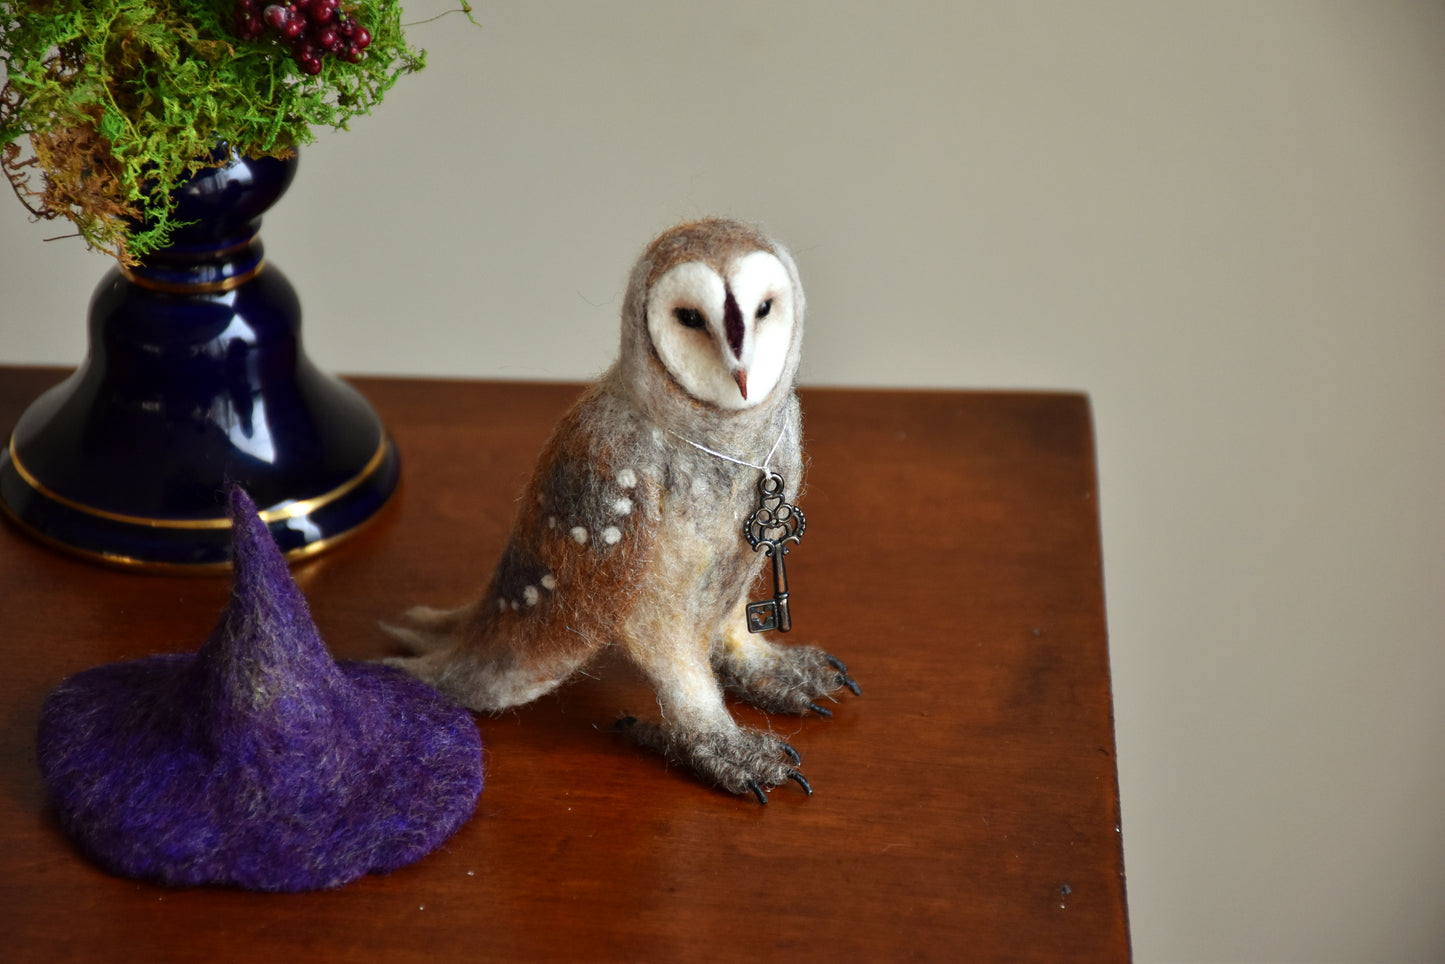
x=967 y=804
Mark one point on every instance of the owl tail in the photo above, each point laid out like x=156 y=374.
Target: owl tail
x=431 y=629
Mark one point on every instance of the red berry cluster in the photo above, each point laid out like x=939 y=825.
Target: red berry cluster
x=312 y=29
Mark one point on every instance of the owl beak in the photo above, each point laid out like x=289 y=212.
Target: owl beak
x=741 y=377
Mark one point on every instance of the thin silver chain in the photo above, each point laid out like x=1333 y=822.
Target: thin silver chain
x=728 y=458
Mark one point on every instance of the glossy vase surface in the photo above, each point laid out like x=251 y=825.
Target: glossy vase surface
x=195 y=376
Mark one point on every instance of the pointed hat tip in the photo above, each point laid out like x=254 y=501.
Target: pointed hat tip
x=238 y=504
x=252 y=544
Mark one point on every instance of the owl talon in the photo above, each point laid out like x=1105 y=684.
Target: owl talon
x=801 y=781
x=843 y=676
x=824 y=713
x=758 y=792
x=792 y=753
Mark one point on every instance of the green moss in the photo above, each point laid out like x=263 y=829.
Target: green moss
x=122 y=99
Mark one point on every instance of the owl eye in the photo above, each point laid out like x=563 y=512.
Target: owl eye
x=689 y=317
x=764 y=308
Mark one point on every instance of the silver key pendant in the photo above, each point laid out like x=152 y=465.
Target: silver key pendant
x=773 y=527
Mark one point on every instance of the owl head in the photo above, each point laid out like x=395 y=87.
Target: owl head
x=713 y=318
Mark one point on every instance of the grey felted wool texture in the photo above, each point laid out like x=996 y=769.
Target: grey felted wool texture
x=630 y=532
x=258 y=762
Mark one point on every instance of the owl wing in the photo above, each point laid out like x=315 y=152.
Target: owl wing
x=585 y=534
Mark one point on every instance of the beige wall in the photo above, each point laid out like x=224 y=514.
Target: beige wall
x=1226 y=221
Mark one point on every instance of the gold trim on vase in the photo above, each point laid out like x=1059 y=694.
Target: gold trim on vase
x=287 y=510
x=133 y=564
x=193 y=287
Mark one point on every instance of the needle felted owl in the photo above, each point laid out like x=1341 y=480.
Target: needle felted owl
x=632 y=530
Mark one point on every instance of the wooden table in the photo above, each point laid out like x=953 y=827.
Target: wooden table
x=967 y=804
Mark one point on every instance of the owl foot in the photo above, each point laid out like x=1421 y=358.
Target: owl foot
x=737 y=760
x=783 y=679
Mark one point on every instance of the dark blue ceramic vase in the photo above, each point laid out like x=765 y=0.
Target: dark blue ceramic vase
x=195 y=376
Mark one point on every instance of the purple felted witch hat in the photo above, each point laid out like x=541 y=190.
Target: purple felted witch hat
x=257 y=762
